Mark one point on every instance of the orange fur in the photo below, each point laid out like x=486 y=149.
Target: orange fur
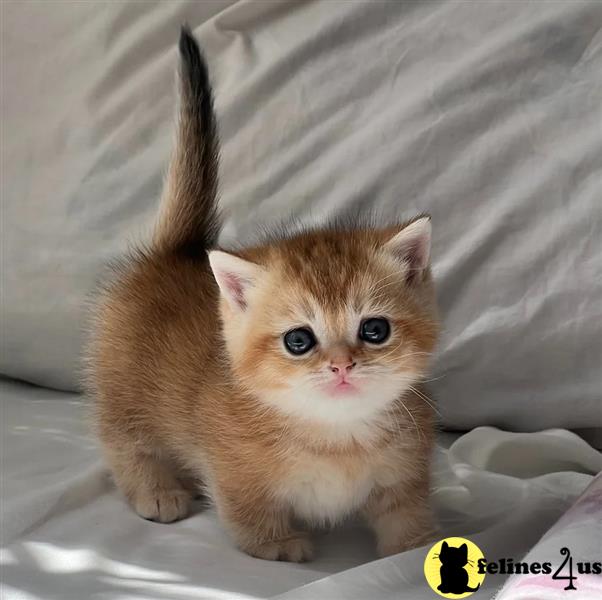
x=189 y=387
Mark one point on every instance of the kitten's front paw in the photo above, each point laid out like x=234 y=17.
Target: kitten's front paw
x=292 y=549
x=162 y=505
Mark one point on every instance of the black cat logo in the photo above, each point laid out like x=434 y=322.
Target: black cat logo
x=454 y=577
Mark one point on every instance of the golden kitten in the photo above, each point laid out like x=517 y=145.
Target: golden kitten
x=281 y=377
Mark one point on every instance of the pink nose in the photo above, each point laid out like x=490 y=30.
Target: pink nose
x=342 y=364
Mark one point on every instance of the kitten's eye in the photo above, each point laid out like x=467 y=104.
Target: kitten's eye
x=299 y=341
x=375 y=331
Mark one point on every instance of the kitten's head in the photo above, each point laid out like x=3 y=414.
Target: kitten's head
x=330 y=325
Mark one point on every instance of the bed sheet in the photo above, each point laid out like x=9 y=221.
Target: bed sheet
x=68 y=535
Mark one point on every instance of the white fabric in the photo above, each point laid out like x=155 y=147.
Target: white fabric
x=485 y=114
x=579 y=530
x=68 y=535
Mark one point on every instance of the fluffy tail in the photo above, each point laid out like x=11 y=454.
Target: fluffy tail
x=188 y=221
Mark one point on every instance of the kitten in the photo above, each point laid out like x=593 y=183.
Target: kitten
x=281 y=376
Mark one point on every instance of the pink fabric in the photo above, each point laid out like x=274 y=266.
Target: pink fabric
x=579 y=530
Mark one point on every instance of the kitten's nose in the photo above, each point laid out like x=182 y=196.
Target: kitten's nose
x=341 y=364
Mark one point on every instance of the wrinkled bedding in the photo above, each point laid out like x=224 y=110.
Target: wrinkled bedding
x=68 y=535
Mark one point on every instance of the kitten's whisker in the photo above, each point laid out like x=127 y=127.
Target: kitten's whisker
x=408 y=355
x=395 y=421
x=433 y=378
x=425 y=398
x=418 y=353
x=393 y=350
x=418 y=429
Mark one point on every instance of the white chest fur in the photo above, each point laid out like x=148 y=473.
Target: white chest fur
x=324 y=489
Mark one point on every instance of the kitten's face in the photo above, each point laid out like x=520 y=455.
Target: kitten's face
x=330 y=326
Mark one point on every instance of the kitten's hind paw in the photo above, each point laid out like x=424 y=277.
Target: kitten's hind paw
x=293 y=549
x=162 y=505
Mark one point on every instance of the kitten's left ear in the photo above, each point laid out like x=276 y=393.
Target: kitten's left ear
x=235 y=277
x=412 y=245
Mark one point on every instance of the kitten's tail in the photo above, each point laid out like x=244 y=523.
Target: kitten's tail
x=188 y=220
x=469 y=589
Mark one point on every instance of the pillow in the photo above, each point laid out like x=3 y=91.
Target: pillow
x=485 y=115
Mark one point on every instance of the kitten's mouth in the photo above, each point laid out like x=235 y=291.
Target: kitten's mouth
x=341 y=388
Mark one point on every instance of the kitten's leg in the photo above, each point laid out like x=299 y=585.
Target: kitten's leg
x=262 y=529
x=400 y=522
x=150 y=484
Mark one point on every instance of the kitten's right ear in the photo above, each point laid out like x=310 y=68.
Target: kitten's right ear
x=444 y=546
x=234 y=276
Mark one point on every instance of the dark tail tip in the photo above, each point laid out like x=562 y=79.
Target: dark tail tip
x=194 y=67
x=188 y=220
x=189 y=48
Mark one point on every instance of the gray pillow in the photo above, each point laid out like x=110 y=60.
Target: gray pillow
x=487 y=115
